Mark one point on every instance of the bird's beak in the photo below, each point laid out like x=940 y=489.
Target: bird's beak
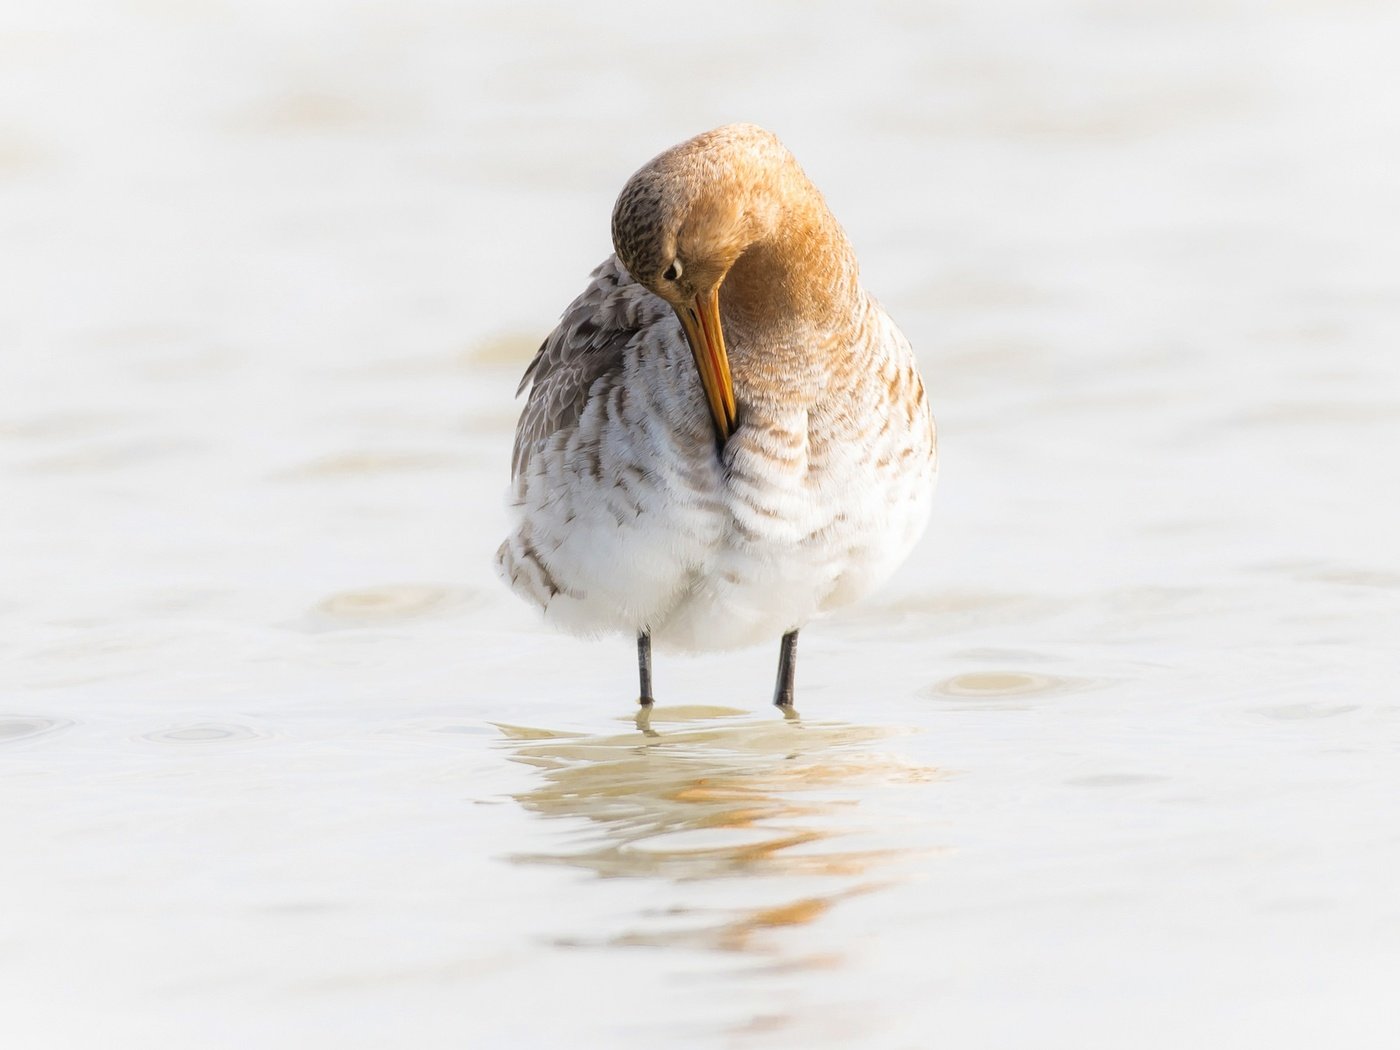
x=700 y=320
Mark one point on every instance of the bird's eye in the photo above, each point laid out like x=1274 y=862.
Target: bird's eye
x=673 y=271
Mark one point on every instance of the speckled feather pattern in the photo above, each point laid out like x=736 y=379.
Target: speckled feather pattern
x=628 y=516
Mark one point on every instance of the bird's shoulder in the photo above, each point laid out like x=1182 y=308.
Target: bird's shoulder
x=588 y=344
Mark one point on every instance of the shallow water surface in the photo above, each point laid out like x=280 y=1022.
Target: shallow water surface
x=1111 y=763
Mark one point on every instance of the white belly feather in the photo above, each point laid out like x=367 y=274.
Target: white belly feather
x=630 y=521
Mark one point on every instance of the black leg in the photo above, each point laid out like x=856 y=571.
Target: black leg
x=644 y=667
x=787 y=668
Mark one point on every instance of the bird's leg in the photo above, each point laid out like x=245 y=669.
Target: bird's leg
x=644 y=667
x=787 y=668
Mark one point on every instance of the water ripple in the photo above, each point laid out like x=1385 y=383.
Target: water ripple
x=206 y=733
x=14 y=728
x=699 y=800
x=1000 y=690
x=387 y=603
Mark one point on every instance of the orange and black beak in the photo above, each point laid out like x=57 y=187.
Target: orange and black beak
x=700 y=320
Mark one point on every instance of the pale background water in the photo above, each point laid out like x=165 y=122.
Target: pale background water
x=1113 y=763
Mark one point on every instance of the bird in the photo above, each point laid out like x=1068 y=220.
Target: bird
x=725 y=437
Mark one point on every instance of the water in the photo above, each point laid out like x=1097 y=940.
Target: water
x=1112 y=762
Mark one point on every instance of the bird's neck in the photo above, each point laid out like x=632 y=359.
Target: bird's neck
x=800 y=274
x=792 y=298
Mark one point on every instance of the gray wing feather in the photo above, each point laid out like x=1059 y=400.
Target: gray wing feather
x=587 y=345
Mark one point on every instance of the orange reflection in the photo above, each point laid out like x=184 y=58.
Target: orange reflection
x=701 y=794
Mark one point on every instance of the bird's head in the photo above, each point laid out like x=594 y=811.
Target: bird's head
x=685 y=218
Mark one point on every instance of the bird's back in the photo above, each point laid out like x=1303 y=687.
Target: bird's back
x=587 y=346
x=614 y=471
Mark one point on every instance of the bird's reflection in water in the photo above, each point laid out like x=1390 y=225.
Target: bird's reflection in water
x=703 y=794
